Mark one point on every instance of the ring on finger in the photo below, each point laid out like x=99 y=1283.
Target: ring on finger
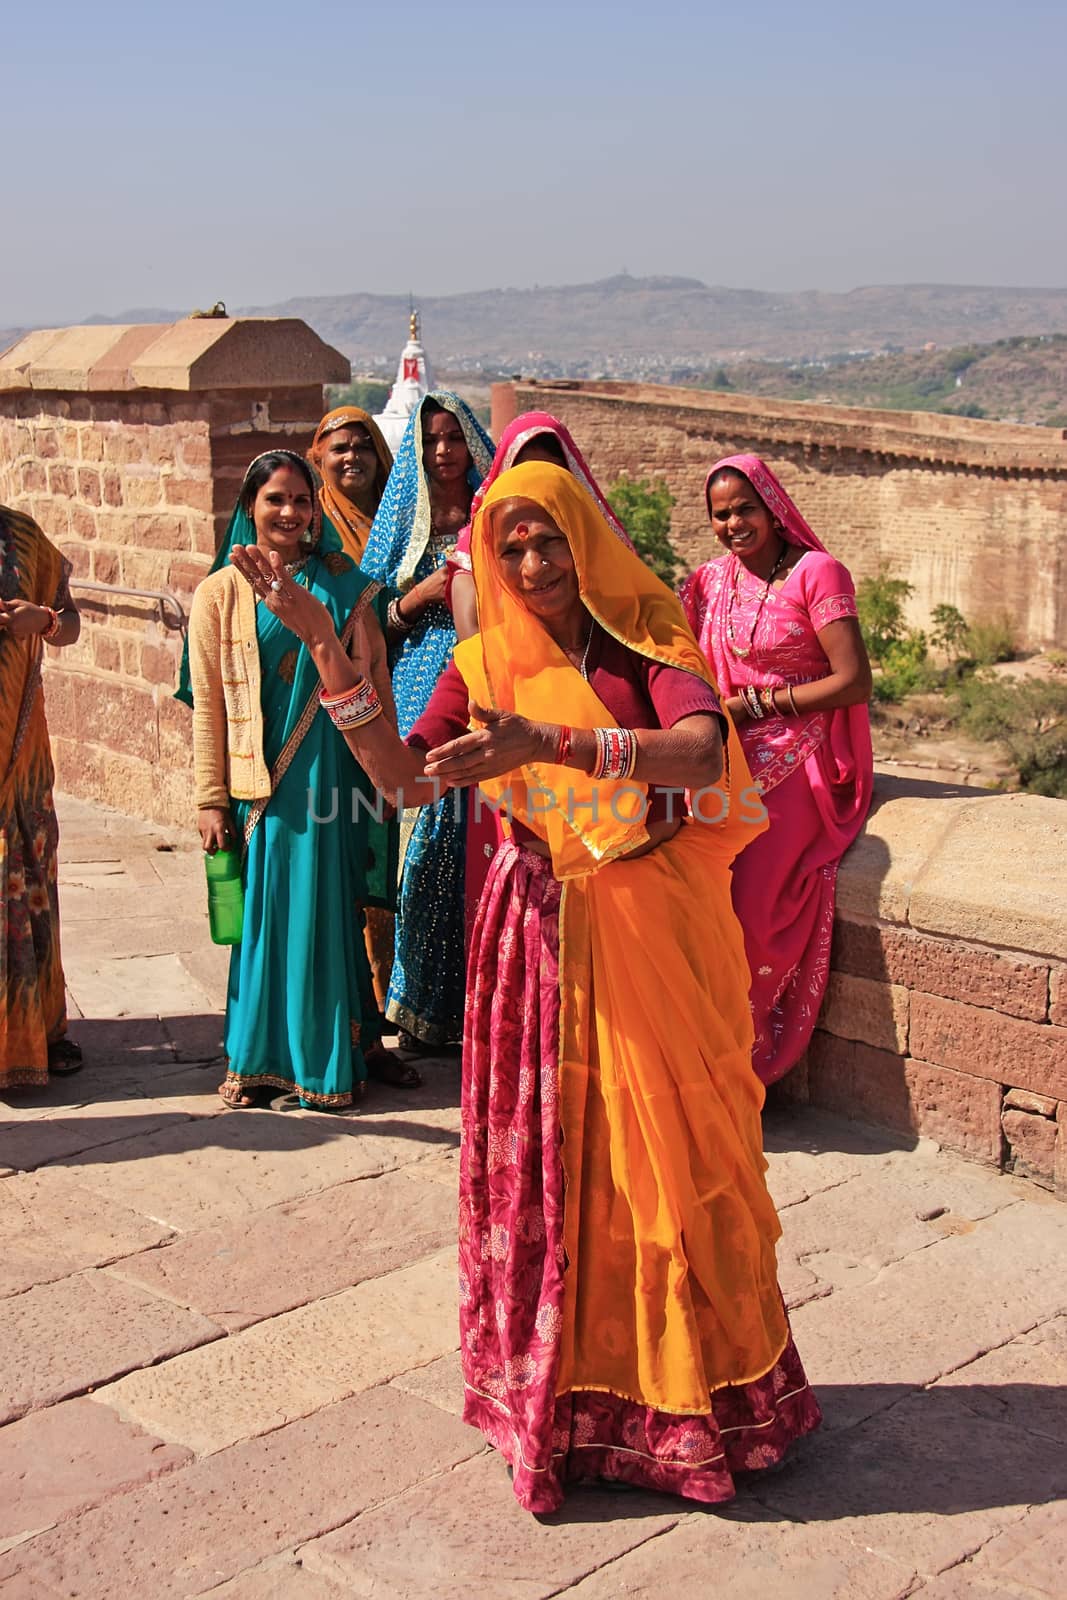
x=276 y=586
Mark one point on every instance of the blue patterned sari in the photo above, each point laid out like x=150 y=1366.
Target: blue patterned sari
x=427 y=989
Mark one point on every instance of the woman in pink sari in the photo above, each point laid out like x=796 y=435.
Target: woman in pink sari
x=533 y=436
x=776 y=619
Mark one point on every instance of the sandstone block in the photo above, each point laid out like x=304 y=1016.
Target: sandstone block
x=285 y=1578
x=51 y=1228
x=292 y=1365
x=752 y=1560
x=1032 y=1553
x=89 y=485
x=901 y=834
x=464 y=1534
x=292 y=1254
x=83 y=524
x=111 y=486
x=911 y=1484
x=439 y=1383
x=141 y=492
x=1025 y=1055
x=1023 y=1383
x=56 y=1463
x=1042 y=1105
x=955 y=894
x=1031 y=1145
x=1058 y=995
x=34 y=478
x=949 y=967
x=932 y=1312
x=107 y=1328
x=194 y=1529
x=60 y=480
x=863 y=1009
x=195 y=494
x=90 y=444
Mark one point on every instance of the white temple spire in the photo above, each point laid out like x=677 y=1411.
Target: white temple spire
x=412 y=383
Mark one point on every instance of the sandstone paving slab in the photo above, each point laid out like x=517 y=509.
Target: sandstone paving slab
x=85 y=1134
x=210 y=1170
x=131 y=987
x=196 y=1528
x=1031 y=1552
x=94 y=894
x=707 y=1554
x=304 y=1250
x=63 y=1338
x=195 y=1038
x=286 y=1578
x=899 y=1203
x=464 y=1534
x=277 y=1371
x=58 y=1462
x=51 y=1227
x=926 y=1482
x=962 y=1583
x=440 y=1383
x=935 y=1310
x=808 y=1153
x=1023 y=1382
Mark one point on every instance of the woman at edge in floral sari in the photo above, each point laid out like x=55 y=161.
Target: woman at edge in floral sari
x=35 y=605
x=441 y=460
x=620 y=1316
x=776 y=618
x=272 y=777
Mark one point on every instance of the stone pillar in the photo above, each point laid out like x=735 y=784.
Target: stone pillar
x=127 y=445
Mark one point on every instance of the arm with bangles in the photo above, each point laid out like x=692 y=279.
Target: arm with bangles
x=410 y=607
x=687 y=755
x=24 y=620
x=848 y=683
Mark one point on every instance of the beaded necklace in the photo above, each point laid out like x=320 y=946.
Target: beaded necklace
x=734 y=646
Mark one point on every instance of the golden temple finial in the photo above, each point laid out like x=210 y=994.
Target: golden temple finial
x=413 y=325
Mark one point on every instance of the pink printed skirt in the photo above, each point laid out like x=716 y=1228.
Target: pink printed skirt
x=512 y=1278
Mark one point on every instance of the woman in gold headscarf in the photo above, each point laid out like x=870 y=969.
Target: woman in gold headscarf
x=354 y=463
x=620 y=1315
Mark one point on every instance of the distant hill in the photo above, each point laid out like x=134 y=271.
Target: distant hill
x=1012 y=380
x=665 y=327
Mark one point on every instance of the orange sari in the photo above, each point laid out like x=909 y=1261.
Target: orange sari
x=32 y=999
x=670 y=1288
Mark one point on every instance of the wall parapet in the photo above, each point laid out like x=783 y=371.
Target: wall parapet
x=946 y=1010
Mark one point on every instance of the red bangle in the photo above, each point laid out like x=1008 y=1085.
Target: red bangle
x=54 y=625
x=563 y=748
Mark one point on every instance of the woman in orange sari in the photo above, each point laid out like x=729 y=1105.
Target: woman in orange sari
x=35 y=606
x=620 y=1316
x=354 y=463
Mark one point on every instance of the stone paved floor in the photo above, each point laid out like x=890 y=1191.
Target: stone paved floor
x=228 y=1342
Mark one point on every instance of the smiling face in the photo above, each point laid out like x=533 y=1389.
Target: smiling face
x=444 y=449
x=349 y=461
x=282 y=512
x=741 y=521
x=536 y=562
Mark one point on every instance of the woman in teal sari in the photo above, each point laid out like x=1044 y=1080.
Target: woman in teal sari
x=274 y=780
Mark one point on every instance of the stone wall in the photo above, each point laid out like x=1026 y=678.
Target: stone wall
x=971 y=513
x=946 y=1012
x=128 y=447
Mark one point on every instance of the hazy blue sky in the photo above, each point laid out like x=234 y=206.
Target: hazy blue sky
x=172 y=155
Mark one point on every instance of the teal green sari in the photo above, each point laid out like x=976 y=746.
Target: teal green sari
x=301 y=1007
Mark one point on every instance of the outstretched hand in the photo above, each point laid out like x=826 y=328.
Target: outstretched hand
x=265 y=570
x=504 y=742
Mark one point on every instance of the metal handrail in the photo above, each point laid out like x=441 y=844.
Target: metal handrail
x=177 y=622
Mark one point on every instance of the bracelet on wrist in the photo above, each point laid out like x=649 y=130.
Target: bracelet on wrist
x=563 y=747
x=616 y=754
x=395 y=618
x=55 y=622
x=353 y=707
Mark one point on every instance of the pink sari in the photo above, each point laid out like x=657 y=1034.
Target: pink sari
x=814 y=771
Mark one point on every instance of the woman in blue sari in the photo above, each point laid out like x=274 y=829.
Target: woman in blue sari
x=443 y=457
x=274 y=780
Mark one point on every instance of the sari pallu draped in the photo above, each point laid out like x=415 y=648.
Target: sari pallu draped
x=426 y=990
x=300 y=1005
x=815 y=771
x=620 y=1314
x=32 y=998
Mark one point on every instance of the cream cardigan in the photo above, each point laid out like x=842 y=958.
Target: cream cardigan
x=225 y=676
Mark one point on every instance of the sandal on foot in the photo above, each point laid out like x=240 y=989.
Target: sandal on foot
x=64 y=1058
x=234 y=1098
x=385 y=1066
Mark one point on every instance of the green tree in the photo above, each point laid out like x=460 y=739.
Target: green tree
x=880 y=603
x=644 y=509
x=949 y=631
x=366 y=393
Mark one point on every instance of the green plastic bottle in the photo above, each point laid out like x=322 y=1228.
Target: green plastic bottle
x=225 y=896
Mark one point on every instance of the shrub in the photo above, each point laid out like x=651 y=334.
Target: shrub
x=1027 y=718
x=990 y=640
x=880 y=603
x=905 y=668
x=949 y=631
x=644 y=509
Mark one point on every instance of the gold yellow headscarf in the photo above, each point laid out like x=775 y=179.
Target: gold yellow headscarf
x=353 y=525
x=515 y=665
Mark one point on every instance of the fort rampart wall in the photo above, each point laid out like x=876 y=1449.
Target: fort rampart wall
x=971 y=513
